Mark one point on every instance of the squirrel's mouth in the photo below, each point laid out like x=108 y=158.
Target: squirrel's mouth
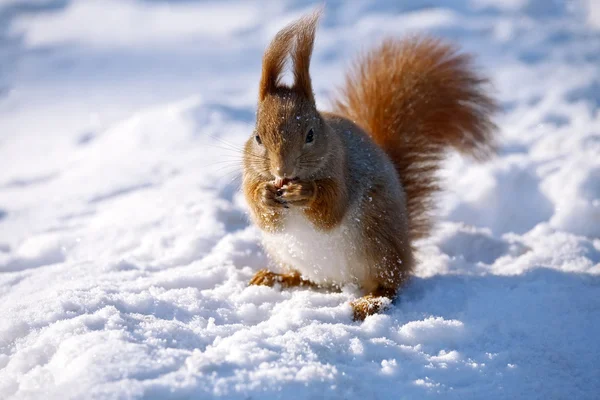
x=281 y=182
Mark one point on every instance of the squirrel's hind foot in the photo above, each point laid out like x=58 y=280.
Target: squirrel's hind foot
x=372 y=303
x=265 y=277
x=369 y=305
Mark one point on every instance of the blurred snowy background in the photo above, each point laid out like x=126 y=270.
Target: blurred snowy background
x=125 y=248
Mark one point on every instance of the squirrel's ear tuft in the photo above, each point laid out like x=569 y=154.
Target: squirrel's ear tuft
x=274 y=61
x=305 y=38
x=295 y=40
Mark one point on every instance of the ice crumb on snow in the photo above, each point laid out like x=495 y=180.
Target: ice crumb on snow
x=430 y=329
x=388 y=367
x=446 y=357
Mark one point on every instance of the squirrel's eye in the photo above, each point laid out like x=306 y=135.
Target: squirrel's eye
x=310 y=137
x=258 y=139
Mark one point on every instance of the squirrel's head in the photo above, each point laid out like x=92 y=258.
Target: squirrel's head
x=291 y=138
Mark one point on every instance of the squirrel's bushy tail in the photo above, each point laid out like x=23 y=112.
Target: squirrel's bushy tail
x=417 y=98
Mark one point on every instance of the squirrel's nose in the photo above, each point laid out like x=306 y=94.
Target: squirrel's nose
x=281 y=177
x=283 y=167
x=284 y=173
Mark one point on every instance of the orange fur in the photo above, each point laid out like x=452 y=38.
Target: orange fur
x=329 y=205
x=267 y=278
x=261 y=198
x=274 y=61
x=369 y=168
x=296 y=39
x=305 y=33
x=417 y=98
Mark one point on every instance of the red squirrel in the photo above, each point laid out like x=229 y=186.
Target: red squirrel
x=342 y=196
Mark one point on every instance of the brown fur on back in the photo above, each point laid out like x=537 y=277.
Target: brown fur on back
x=417 y=98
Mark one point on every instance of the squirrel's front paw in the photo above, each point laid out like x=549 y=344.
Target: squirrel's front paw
x=271 y=196
x=299 y=193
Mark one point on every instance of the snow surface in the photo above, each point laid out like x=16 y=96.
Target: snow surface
x=124 y=242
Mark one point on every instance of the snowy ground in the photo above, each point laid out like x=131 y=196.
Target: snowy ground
x=125 y=247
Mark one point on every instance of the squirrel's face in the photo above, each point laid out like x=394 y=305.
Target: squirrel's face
x=290 y=140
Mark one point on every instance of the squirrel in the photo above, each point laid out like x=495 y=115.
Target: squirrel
x=342 y=196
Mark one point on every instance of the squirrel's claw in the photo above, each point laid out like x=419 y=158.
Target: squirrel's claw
x=271 y=197
x=299 y=193
x=263 y=277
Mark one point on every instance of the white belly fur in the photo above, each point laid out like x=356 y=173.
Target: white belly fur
x=322 y=257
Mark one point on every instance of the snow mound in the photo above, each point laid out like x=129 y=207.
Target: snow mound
x=125 y=247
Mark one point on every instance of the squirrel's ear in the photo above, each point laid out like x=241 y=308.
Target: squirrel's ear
x=297 y=40
x=274 y=61
x=305 y=30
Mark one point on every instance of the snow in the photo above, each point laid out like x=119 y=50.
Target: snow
x=125 y=248
x=133 y=24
